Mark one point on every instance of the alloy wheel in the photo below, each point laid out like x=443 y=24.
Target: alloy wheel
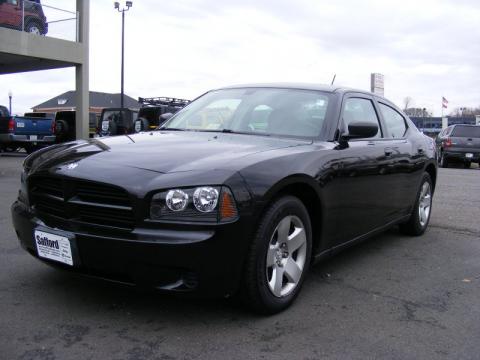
x=286 y=256
x=424 y=204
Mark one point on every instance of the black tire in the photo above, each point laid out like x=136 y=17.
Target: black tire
x=413 y=226
x=443 y=161
x=61 y=128
x=255 y=290
x=112 y=128
x=33 y=27
x=467 y=164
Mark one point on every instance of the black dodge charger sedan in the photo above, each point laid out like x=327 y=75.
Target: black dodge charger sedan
x=238 y=193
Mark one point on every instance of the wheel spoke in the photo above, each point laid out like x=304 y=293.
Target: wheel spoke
x=277 y=280
x=423 y=216
x=283 y=229
x=292 y=271
x=296 y=239
x=271 y=255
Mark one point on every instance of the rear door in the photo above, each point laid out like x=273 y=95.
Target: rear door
x=406 y=159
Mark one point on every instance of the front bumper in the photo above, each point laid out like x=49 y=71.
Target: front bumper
x=204 y=261
x=15 y=139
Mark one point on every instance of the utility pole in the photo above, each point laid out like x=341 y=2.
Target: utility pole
x=128 y=5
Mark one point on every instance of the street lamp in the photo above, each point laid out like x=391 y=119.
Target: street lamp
x=10 y=101
x=128 y=5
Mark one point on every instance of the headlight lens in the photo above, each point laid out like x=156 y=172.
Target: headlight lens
x=210 y=204
x=205 y=198
x=177 y=200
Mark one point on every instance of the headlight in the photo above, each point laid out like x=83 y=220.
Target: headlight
x=201 y=204
x=205 y=198
x=177 y=200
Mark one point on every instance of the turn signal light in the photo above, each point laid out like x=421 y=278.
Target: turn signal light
x=228 y=210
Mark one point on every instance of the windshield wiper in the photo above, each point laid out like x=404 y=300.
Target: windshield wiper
x=172 y=129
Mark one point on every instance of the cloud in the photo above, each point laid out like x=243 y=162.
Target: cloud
x=426 y=49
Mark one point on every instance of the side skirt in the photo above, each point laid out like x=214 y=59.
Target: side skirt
x=336 y=249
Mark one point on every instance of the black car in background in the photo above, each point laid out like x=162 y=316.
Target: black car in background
x=239 y=192
x=155 y=111
x=459 y=143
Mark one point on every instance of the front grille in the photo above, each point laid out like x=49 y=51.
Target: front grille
x=81 y=202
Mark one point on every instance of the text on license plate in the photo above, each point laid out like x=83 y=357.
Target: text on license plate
x=33 y=137
x=53 y=247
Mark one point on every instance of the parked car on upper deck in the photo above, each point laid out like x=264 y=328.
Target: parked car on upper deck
x=239 y=192
x=17 y=13
x=459 y=143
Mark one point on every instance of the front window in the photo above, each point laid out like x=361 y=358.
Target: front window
x=261 y=111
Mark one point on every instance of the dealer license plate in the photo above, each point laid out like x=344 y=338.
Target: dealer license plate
x=469 y=155
x=53 y=247
x=33 y=137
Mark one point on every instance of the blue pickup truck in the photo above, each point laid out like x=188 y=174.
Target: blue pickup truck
x=30 y=133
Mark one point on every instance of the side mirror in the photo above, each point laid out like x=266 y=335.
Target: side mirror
x=165 y=117
x=359 y=130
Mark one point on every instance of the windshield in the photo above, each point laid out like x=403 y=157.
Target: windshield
x=261 y=111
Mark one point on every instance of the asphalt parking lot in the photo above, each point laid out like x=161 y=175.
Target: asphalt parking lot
x=391 y=297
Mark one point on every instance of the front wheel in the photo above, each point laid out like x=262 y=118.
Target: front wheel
x=279 y=257
x=418 y=221
x=32 y=27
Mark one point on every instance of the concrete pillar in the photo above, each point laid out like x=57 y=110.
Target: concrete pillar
x=82 y=71
x=444 y=122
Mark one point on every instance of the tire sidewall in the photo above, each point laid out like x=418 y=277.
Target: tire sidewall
x=416 y=217
x=284 y=206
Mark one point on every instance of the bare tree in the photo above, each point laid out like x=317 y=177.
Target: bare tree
x=407 y=101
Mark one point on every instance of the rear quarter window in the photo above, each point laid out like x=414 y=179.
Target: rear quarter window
x=466 y=131
x=394 y=121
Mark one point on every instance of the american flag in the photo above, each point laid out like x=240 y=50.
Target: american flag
x=444 y=103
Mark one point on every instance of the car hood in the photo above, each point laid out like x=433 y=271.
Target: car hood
x=162 y=151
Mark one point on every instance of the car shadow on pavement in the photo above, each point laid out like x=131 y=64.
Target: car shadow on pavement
x=96 y=296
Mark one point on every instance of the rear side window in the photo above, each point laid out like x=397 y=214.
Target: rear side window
x=394 y=121
x=360 y=110
x=466 y=131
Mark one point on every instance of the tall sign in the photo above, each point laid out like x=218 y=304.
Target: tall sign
x=377 y=83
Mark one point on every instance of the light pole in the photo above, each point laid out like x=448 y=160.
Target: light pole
x=128 y=5
x=10 y=101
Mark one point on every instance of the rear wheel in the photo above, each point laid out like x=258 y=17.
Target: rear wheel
x=418 y=221
x=279 y=257
x=443 y=160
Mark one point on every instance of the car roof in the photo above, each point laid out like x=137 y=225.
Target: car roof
x=308 y=86
x=300 y=86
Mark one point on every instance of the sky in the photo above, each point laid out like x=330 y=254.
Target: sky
x=425 y=49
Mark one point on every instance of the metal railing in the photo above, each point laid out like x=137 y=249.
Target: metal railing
x=39 y=18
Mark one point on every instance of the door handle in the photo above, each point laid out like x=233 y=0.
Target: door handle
x=420 y=150
x=388 y=151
